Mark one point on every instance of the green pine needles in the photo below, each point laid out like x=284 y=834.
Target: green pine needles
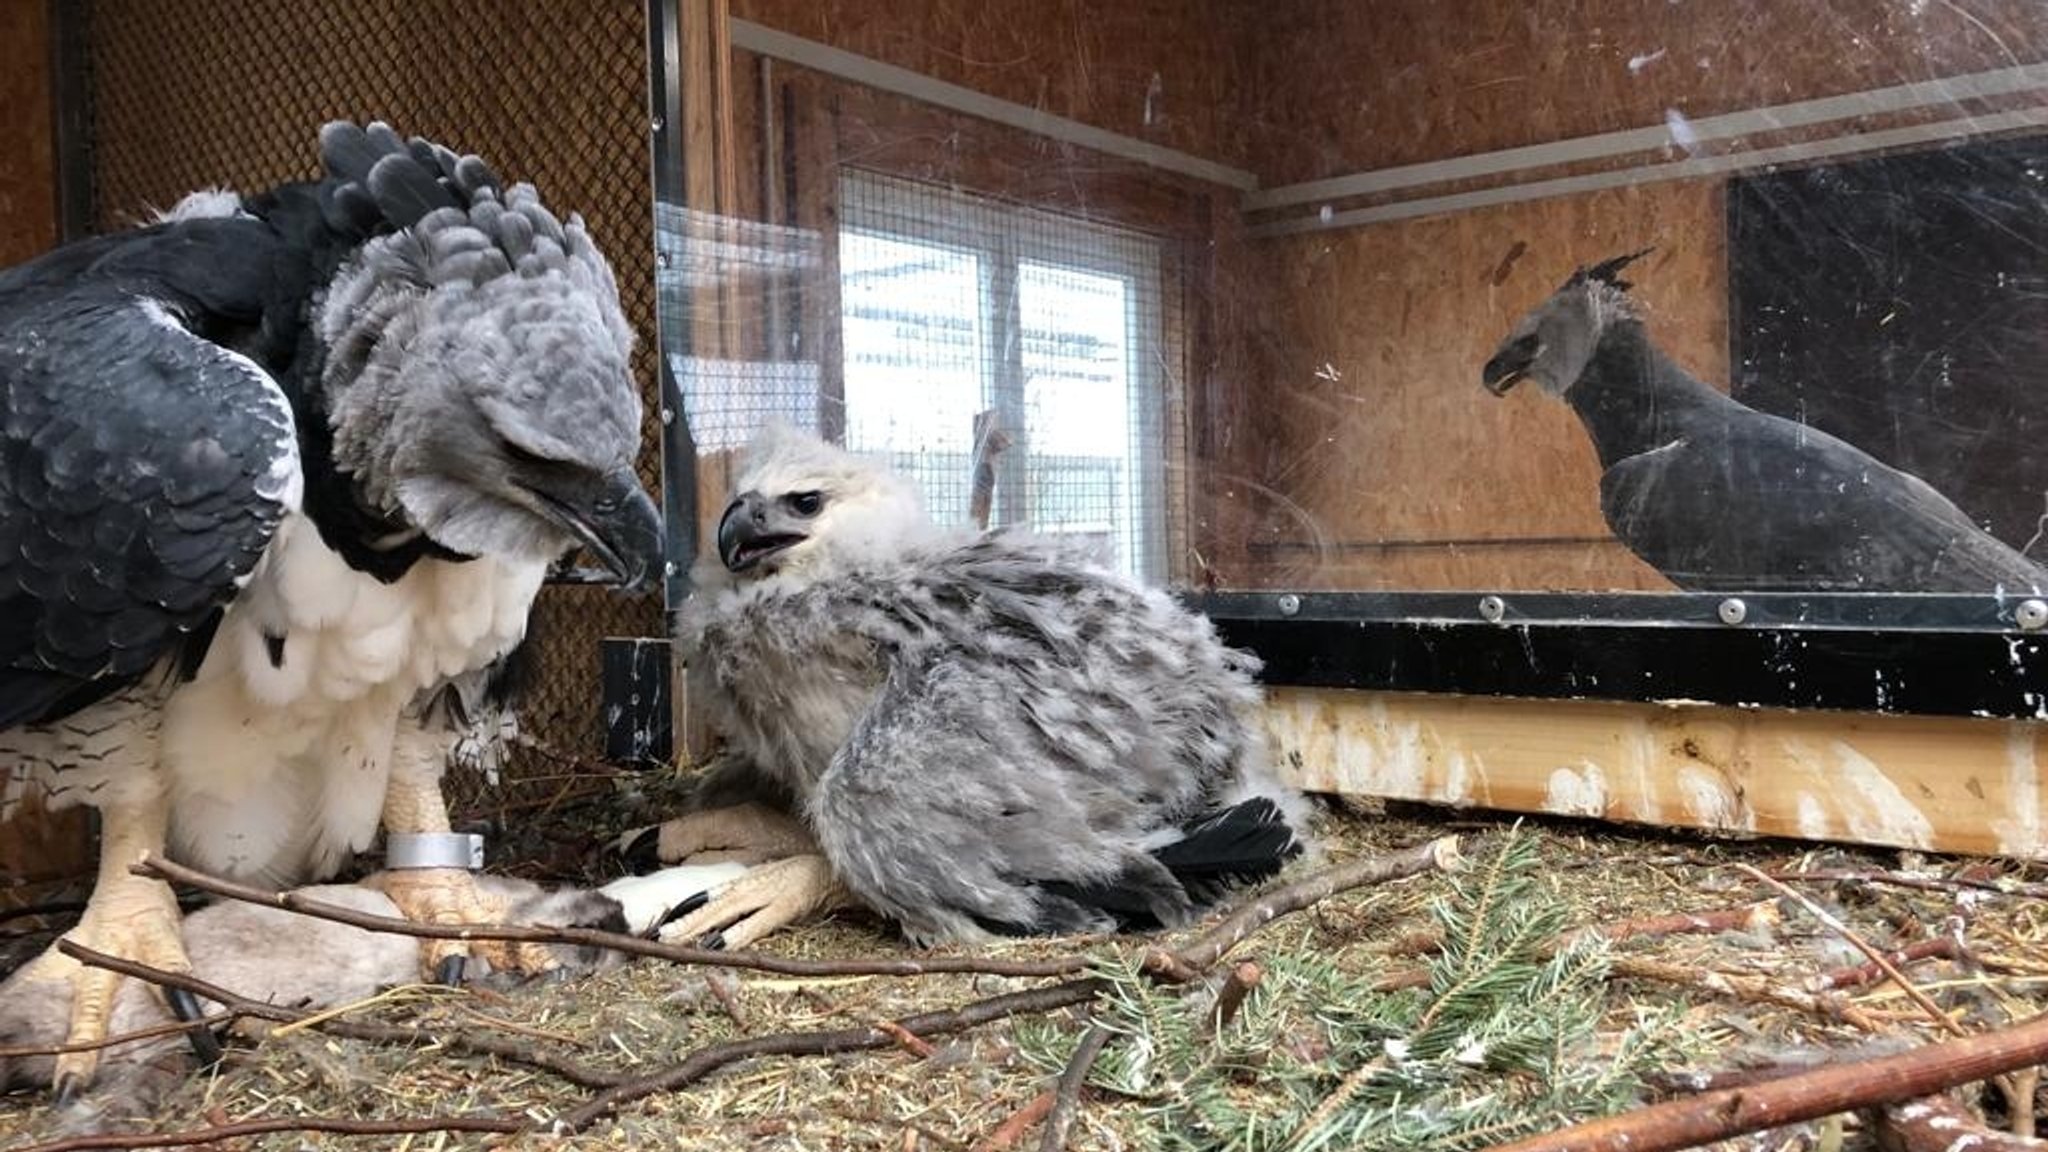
x=1502 y=1041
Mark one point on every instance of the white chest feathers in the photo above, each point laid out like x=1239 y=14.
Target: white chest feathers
x=278 y=750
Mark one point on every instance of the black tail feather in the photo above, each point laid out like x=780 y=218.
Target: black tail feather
x=1242 y=844
x=1247 y=842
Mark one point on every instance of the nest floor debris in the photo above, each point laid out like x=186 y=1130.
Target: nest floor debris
x=1749 y=977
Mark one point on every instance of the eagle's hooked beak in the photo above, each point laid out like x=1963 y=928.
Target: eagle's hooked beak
x=752 y=530
x=615 y=521
x=1510 y=364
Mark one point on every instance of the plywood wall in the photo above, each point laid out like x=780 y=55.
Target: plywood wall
x=1363 y=454
x=1166 y=71
x=28 y=157
x=1343 y=86
x=1375 y=460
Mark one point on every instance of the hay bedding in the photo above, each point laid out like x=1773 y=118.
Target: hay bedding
x=966 y=1091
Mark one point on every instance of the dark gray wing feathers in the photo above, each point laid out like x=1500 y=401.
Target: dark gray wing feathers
x=142 y=472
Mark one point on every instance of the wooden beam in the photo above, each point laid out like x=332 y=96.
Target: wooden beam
x=1948 y=785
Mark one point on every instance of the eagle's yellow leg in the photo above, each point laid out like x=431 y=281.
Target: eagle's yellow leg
x=413 y=803
x=128 y=916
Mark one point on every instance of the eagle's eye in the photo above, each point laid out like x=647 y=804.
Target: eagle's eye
x=805 y=504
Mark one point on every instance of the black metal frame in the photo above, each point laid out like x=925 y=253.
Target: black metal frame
x=678 y=447
x=1931 y=655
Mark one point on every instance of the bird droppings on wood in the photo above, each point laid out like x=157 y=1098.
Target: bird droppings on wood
x=1747 y=989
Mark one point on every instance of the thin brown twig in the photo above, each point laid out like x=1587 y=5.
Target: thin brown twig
x=159 y=868
x=1189 y=961
x=713 y=1057
x=1857 y=975
x=1938 y=1124
x=728 y=997
x=1183 y=964
x=170 y=1028
x=1876 y=955
x=1751 y=988
x=1710 y=1116
x=1230 y=998
x=907 y=1040
x=1066 y=1095
x=1753 y=917
x=1011 y=1131
x=351 y=1029
x=1754 y=989
x=1902 y=880
x=335 y=1124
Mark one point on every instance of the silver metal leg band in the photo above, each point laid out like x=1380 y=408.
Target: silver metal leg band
x=434 y=850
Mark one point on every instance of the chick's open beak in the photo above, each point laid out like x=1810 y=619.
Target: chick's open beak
x=752 y=531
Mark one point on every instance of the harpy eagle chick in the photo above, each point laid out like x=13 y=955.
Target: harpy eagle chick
x=1719 y=496
x=269 y=477
x=983 y=733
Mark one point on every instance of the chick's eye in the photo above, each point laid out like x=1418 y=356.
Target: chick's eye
x=805 y=503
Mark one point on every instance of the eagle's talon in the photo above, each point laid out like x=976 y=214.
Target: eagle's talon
x=763 y=900
x=679 y=911
x=637 y=850
x=65 y=1091
x=205 y=1045
x=449 y=971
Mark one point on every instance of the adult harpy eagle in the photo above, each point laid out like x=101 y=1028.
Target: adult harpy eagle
x=1719 y=496
x=977 y=733
x=269 y=477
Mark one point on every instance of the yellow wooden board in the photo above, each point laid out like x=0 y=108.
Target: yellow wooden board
x=1952 y=785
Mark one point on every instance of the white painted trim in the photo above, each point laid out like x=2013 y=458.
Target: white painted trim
x=1903 y=97
x=903 y=82
x=1656 y=173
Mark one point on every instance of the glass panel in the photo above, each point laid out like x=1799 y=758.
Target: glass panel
x=1415 y=297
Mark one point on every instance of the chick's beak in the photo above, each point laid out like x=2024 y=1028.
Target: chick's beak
x=752 y=531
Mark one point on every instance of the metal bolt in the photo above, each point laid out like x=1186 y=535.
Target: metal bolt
x=2031 y=615
x=1289 y=603
x=1732 y=611
x=668 y=568
x=1492 y=608
x=661 y=259
x=656 y=124
x=668 y=416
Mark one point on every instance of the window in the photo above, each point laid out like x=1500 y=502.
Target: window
x=957 y=307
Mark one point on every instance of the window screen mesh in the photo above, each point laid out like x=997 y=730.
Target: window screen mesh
x=961 y=321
